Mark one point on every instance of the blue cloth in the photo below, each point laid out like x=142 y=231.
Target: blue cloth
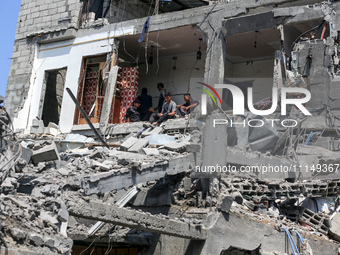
x=145 y=29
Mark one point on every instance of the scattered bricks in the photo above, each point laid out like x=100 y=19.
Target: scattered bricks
x=151 y=151
x=315 y=220
x=128 y=143
x=334 y=231
x=137 y=147
x=46 y=153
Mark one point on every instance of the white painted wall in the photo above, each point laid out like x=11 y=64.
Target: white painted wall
x=259 y=71
x=55 y=56
x=184 y=79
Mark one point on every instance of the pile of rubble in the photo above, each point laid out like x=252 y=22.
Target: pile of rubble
x=62 y=189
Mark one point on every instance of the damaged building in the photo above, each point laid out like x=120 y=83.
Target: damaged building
x=76 y=178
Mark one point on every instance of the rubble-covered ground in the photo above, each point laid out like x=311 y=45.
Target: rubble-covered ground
x=50 y=192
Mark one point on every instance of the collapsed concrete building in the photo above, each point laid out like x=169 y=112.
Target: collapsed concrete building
x=69 y=188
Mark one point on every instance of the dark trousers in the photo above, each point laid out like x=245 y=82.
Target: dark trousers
x=159 y=120
x=145 y=116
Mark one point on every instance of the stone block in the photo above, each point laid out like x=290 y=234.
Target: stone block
x=37 y=127
x=151 y=151
x=128 y=143
x=46 y=153
x=138 y=146
x=225 y=202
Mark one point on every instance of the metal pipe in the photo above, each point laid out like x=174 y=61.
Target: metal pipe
x=86 y=118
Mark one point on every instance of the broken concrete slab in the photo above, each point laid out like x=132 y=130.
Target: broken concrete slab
x=118 y=179
x=176 y=146
x=262 y=163
x=334 y=230
x=47 y=153
x=138 y=146
x=101 y=166
x=136 y=219
x=128 y=156
x=152 y=131
x=128 y=143
x=151 y=151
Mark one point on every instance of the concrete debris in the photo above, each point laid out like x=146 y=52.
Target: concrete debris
x=37 y=127
x=225 y=202
x=47 y=153
x=138 y=146
x=239 y=174
x=334 y=230
x=128 y=143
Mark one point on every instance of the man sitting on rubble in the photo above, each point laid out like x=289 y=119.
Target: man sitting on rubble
x=189 y=105
x=168 y=112
x=145 y=108
x=132 y=112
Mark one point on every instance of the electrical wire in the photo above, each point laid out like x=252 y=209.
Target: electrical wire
x=298 y=38
x=291 y=241
x=88 y=247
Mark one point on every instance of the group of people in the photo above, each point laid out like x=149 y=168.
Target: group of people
x=141 y=109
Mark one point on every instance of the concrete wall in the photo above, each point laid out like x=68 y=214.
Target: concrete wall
x=35 y=17
x=127 y=10
x=260 y=72
x=184 y=79
x=65 y=54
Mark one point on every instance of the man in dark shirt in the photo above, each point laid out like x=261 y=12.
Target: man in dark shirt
x=168 y=112
x=132 y=112
x=189 y=105
x=145 y=108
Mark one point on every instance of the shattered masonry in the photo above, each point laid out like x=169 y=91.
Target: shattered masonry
x=63 y=191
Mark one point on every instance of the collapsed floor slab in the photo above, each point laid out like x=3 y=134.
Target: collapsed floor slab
x=118 y=179
x=136 y=219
